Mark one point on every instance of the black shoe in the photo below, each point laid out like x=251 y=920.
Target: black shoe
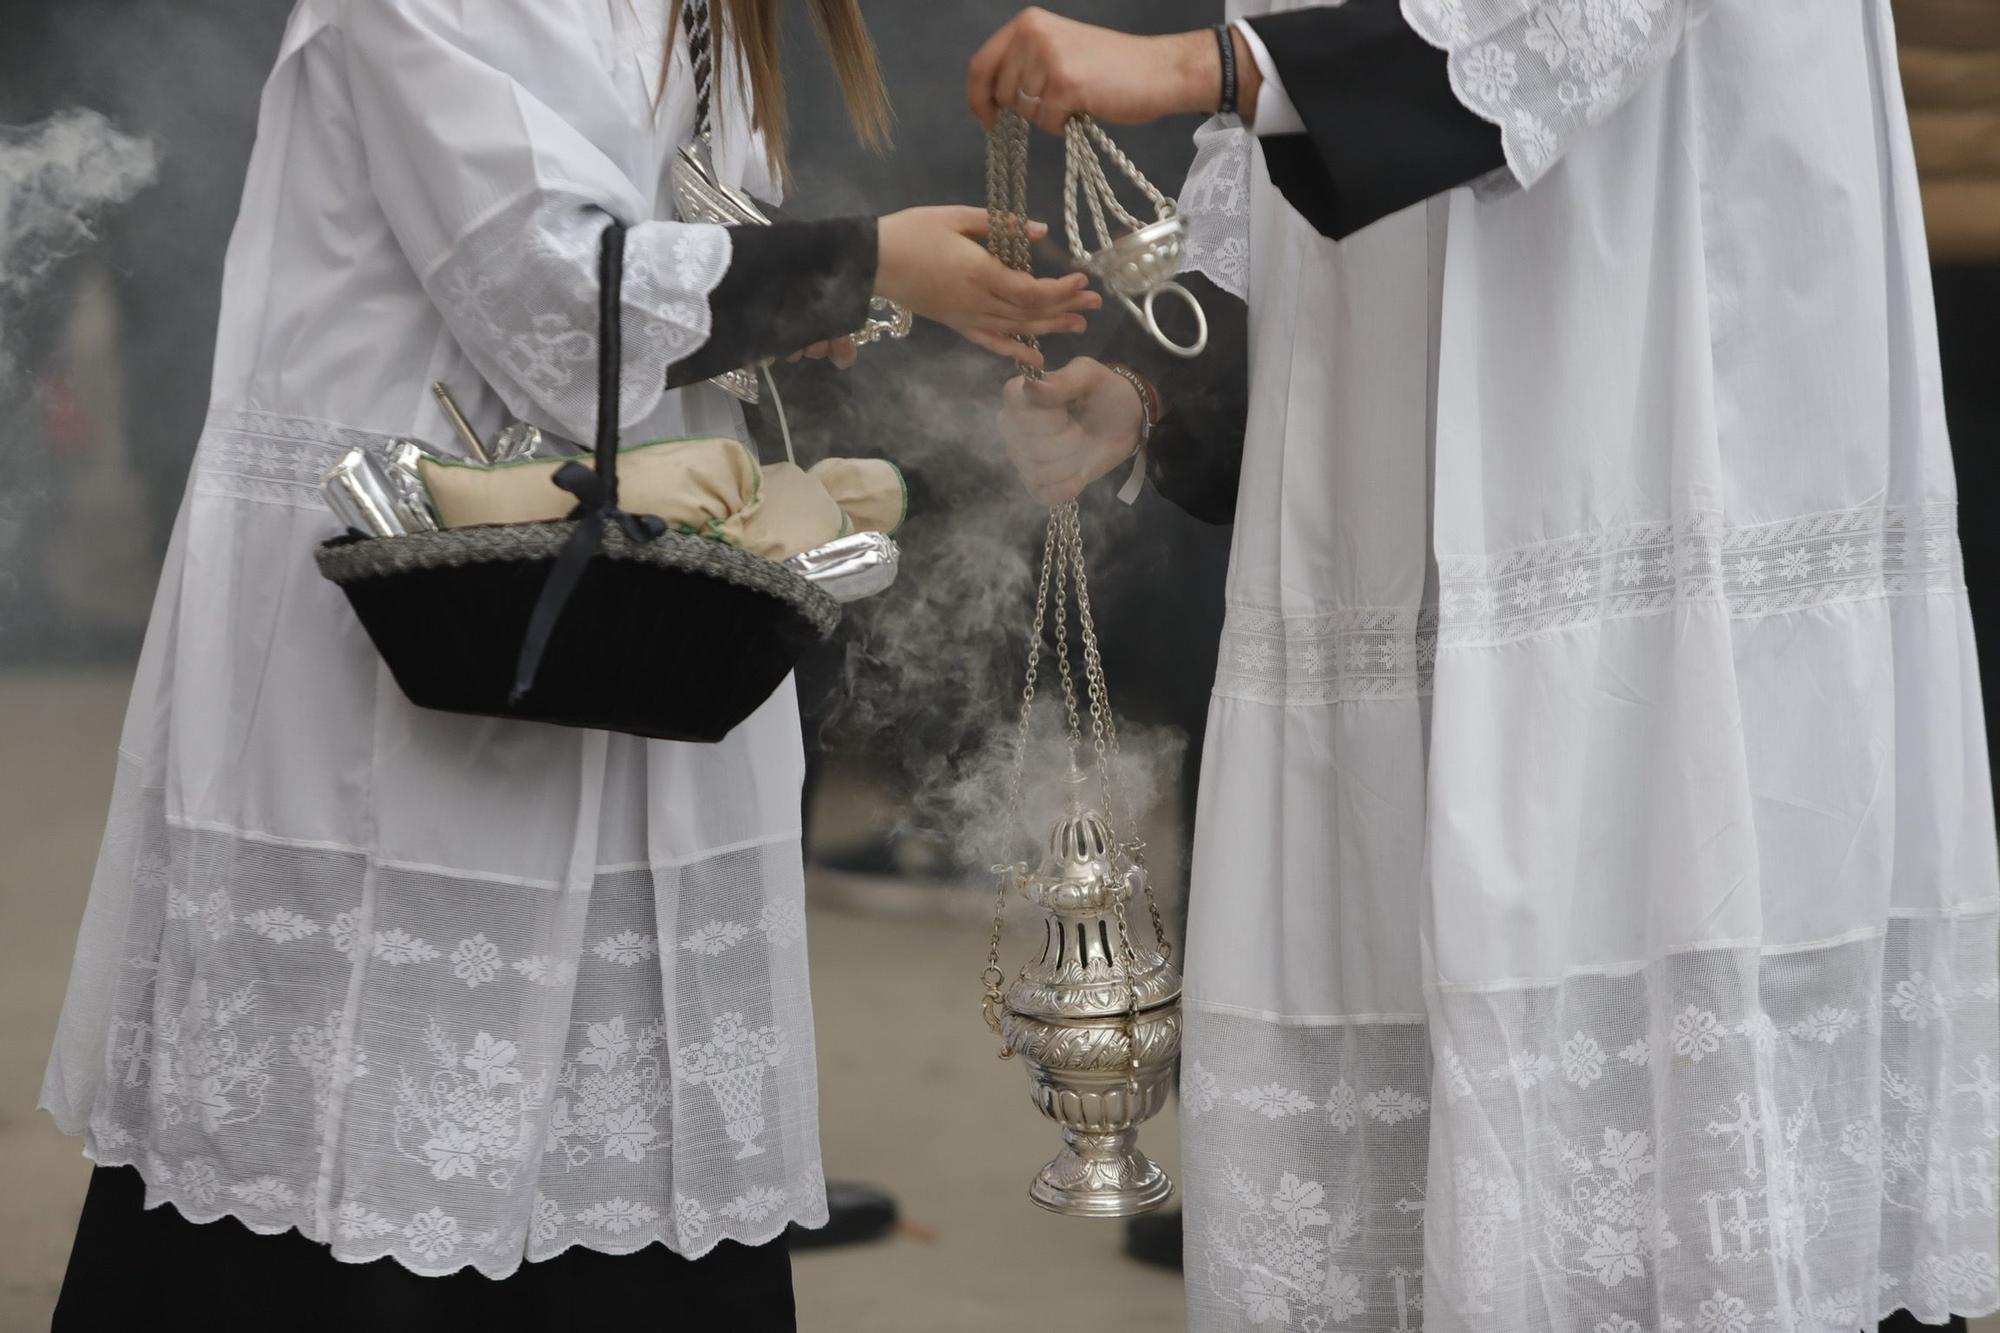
x=1155 y=1238
x=854 y=1214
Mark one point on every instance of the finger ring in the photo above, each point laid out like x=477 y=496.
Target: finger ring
x=1027 y=101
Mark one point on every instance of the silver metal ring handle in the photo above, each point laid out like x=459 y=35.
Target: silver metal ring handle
x=1200 y=342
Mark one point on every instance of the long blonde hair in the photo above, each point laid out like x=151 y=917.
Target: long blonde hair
x=752 y=30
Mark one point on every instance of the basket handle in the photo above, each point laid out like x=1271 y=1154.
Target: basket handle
x=610 y=355
x=595 y=489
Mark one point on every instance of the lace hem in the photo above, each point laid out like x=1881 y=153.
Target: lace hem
x=450 y=1070
x=1215 y=200
x=1721 y=1141
x=1545 y=71
x=439 y=1230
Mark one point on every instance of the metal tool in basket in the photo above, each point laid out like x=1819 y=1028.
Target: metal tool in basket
x=1096 y=1017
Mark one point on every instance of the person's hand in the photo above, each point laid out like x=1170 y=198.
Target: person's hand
x=1050 y=68
x=931 y=260
x=840 y=351
x=1070 y=428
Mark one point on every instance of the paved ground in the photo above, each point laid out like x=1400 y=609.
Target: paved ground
x=913 y=1097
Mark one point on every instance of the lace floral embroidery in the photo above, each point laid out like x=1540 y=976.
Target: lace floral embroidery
x=1215 y=199
x=1544 y=71
x=1687 y=1152
x=611 y=1093
x=520 y=294
x=471 y=1116
x=474 y=960
x=201 y=1063
x=402 y=1063
x=731 y=1065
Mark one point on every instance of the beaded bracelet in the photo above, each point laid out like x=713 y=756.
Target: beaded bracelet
x=1151 y=409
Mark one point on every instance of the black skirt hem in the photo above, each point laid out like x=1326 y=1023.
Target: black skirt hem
x=132 y=1266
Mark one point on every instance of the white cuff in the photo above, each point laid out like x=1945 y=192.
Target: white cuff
x=1129 y=492
x=1274 y=112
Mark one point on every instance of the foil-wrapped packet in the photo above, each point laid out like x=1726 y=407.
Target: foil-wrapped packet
x=404 y=466
x=850 y=568
x=357 y=490
x=518 y=442
x=379 y=497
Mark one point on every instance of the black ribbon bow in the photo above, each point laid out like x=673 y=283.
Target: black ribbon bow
x=597 y=507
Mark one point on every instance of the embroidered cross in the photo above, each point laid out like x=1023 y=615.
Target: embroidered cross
x=1745 y=1130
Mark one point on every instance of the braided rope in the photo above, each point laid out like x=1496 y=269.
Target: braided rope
x=694 y=18
x=1007 y=202
x=1083 y=139
x=1160 y=202
x=457 y=548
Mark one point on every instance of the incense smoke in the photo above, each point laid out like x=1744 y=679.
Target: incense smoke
x=931 y=684
x=57 y=179
x=933 y=671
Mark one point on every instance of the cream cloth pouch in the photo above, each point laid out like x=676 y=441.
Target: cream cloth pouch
x=693 y=484
x=871 y=490
x=707 y=487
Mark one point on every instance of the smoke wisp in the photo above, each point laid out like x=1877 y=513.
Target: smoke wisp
x=56 y=179
x=933 y=670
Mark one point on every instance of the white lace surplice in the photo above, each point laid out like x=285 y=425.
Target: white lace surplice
x=458 y=991
x=1594 y=907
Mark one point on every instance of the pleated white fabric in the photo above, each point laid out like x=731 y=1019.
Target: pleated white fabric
x=457 y=991
x=1594 y=909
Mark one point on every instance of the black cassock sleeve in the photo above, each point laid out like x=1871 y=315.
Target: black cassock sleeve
x=1383 y=131
x=1383 y=128
x=788 y=285
x=1196 y=454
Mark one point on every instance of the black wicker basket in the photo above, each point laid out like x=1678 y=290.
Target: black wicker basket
x=605 y=620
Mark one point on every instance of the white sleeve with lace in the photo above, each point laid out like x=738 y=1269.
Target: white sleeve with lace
x=1545 y=71
x=519 y=293
x=493 y=150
